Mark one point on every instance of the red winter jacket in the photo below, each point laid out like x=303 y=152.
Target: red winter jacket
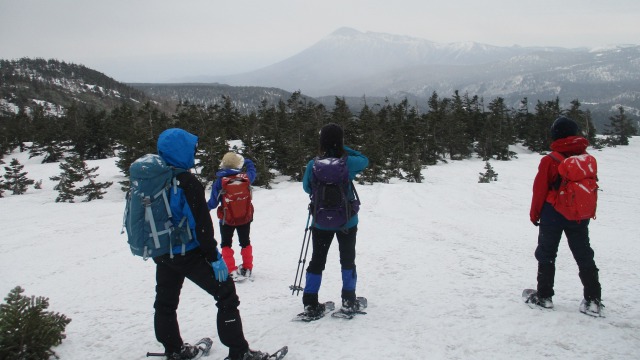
x=548 y=173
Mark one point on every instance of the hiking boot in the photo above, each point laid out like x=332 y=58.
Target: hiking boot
x=314 y=311
x=351 y=306
x=242 y=271
x=543 y=302
x=251 y=355
x=591 y=307
x=254 y=355
x=186 y=352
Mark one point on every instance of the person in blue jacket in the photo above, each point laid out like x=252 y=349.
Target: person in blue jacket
x=332 y=145
x=201 y=262
x=230 y=165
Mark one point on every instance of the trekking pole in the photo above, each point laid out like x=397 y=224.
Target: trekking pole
x=305 y=239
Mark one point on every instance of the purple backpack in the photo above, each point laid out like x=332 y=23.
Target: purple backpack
x=330 y=203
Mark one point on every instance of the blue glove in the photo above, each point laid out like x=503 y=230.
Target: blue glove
x=220 y=270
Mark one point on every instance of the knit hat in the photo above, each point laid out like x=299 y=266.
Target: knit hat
x=331 y=137
x=563 y=127
x=232 y=160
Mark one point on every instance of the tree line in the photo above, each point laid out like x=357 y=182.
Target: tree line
x=399 y=140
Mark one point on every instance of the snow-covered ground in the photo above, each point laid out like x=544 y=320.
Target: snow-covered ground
x=443 y=264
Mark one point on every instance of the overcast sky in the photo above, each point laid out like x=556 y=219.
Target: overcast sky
x=159 y=40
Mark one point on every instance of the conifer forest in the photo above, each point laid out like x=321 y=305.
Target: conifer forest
x=398 y=139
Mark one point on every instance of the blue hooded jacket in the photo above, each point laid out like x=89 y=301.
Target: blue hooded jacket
x=177 y=148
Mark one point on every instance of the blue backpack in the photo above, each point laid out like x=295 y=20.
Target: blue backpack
x=330 y=203
x=147 y=216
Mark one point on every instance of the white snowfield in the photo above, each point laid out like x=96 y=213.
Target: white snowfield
x=442 y=263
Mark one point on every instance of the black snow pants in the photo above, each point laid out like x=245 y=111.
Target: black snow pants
x=552 y=225
x=170 y=275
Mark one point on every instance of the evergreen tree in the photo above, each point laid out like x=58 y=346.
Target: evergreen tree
x=70 y=175
x=47 y=137
x=100 y=144
x=583 y=119
x=16 y=179
x=538 y=139
x=76 y=130
x=92 y=190
x=258 y=148
x=497 y=134
x=412 y=141
x=436 y=126
x=27 y=331
x=620 y=128
x=303 y=119
x=136 y=132
x=523 y=122
x=370 y=135
x=489 y=175
x=456 y=139
x=21 y=129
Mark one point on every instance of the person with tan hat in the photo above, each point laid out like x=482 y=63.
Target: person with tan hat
x=231 y=195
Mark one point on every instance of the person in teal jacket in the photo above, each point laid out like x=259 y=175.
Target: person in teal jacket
x=332 y=145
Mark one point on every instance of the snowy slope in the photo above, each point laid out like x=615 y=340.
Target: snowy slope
x=442 y=263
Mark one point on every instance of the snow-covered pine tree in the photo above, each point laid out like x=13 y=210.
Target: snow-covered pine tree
x=70 y=175
x=16 y=179
x=27 y=330
x=489 y=175
x=92 y=189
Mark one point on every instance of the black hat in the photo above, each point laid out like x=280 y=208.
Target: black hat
x=331 y=137
x=563 y=127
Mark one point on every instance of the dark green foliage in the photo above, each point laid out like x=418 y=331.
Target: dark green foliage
x=27 y=330
x=281 y=136
x=70 y=175
x=16 y=179
x=47 y=136
x=92 y=189
x=75 y=170
x=619 y=129
x=489 y=175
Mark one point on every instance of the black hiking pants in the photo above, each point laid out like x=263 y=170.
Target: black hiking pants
x=170 y=275
x=552 y=225
x=322 y=239
x=226 y=235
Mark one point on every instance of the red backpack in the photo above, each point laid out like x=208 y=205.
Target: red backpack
x=577 y=194
x=235 y=200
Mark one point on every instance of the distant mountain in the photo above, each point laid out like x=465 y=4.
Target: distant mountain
x=55 y=85
x=351 y=63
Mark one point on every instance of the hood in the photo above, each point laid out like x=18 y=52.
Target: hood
x=227 y=172
x=178 y=148
x=572 y=145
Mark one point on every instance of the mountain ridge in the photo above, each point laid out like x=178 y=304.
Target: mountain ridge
x=351 y=63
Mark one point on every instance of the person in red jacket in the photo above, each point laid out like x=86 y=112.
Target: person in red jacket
x=551 y=224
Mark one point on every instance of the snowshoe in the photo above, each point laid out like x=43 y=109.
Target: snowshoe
x=315 y=312
x=242 y=274
x=351 y=308
x=189 y=352
x=592 y=307
x=531 y=298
